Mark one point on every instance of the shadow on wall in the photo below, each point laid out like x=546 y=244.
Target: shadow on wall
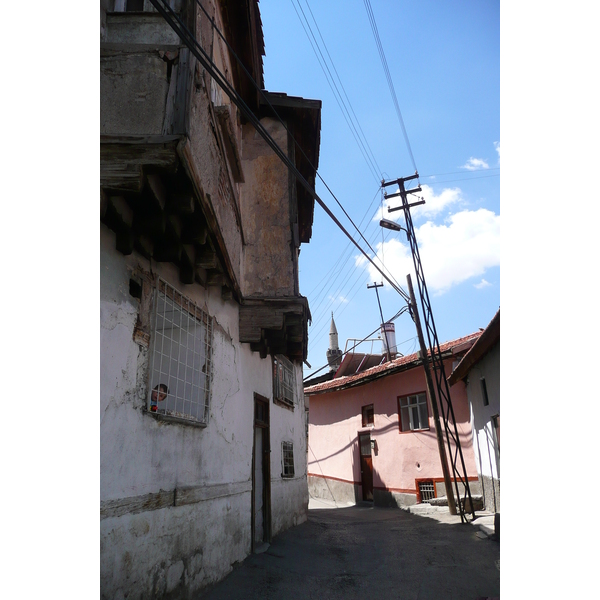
x=325 y=486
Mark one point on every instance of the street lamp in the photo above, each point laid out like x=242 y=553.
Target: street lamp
x=387 y=224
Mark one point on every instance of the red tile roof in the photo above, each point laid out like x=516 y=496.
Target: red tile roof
x=389 y=368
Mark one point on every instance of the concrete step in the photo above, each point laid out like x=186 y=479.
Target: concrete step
x=443 y=501
x=425 y=508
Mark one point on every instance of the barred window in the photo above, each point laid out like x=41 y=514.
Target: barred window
x=413 y=412
x=287 y=459
x=283 y=380
x=180 y=364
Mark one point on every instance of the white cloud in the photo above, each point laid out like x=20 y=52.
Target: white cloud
x=434 y=204
x=340 y=299
x=482 y=284
x=497 y=146
x=474 y=164
x=464 y=247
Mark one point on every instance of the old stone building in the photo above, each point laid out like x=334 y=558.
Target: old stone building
x=203 y=327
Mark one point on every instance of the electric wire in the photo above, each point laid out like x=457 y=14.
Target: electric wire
x=190 y=41
x=388 y=77
x=402 y=310
x=364 y=146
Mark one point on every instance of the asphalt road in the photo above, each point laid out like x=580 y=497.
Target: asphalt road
x=368 y=553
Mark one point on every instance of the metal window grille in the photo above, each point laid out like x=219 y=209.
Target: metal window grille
x=413 y=411
x=181 y=365
x=426 y=490
x=287 y=459
x=283 y=379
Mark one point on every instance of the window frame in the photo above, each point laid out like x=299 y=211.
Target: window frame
x=282 y=366
x=365 y=415
x=287 y=449
x=416 y=405
x=195 y=380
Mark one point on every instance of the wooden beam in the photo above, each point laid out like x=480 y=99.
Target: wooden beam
x=226 y=293
x=182 y=203
x=215 y=278
x=123 y=210
x=206 y=258
x=157 y=190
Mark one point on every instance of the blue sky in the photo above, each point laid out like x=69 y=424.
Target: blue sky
x=444 y=63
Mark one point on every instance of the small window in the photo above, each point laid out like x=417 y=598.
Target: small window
x=180 y=365
x=283 y=380
x=426 y=490
x=367 y=415
x=413 y=412
x=484 y=394
x=287 y=459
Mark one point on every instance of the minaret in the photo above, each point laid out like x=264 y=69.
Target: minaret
x=334 y=354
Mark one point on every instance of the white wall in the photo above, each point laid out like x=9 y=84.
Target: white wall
x=487 y=453
x=147 y=552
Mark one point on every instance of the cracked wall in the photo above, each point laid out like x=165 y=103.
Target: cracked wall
x=177 y=498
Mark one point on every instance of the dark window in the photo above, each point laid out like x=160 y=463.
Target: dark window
x=484 y=394
x=367 y=415
x=413 y=412
x=287 y=459
x=181 y=357
x=135 y=6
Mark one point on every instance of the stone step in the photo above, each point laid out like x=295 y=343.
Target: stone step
x=443 y=501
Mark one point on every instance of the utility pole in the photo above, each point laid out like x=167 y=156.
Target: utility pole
x=387 y=344
x=459 y=468
x=430 y=390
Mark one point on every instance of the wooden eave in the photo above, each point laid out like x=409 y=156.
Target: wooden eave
x=488 y=339
x=276 y=326
x=303 y=119
x=243 y=31
x=149 y=200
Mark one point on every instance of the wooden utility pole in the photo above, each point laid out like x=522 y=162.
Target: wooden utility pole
x=434 y=406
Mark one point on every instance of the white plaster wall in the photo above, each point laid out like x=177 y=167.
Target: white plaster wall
x=487 y=453
x=289 y=496
x=140 y=455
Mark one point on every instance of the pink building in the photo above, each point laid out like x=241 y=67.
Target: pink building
x=372 y=435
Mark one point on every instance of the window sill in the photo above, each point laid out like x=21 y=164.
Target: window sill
x=416 y=430
x=283 y=404
x=175 y=419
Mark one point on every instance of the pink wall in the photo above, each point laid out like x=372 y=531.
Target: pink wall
x=336 y=420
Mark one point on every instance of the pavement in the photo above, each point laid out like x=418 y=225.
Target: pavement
x=347 y=551
x=484 y=520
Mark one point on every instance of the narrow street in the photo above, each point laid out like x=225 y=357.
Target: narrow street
x=365 y=552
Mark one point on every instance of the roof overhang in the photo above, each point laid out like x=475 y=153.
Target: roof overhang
x=488 y=339
x=303 y=119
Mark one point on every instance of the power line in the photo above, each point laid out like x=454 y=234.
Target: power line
x=365 y=145
x=190 y=41
x=388 y=77
x=403 y=309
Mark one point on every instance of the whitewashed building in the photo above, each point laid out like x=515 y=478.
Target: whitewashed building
x=479 y=372
x=203 y=328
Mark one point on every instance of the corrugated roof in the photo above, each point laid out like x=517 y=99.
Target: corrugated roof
x=389 y=368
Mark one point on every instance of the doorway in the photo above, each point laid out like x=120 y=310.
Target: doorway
x=366 y=465
x=261 y=474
